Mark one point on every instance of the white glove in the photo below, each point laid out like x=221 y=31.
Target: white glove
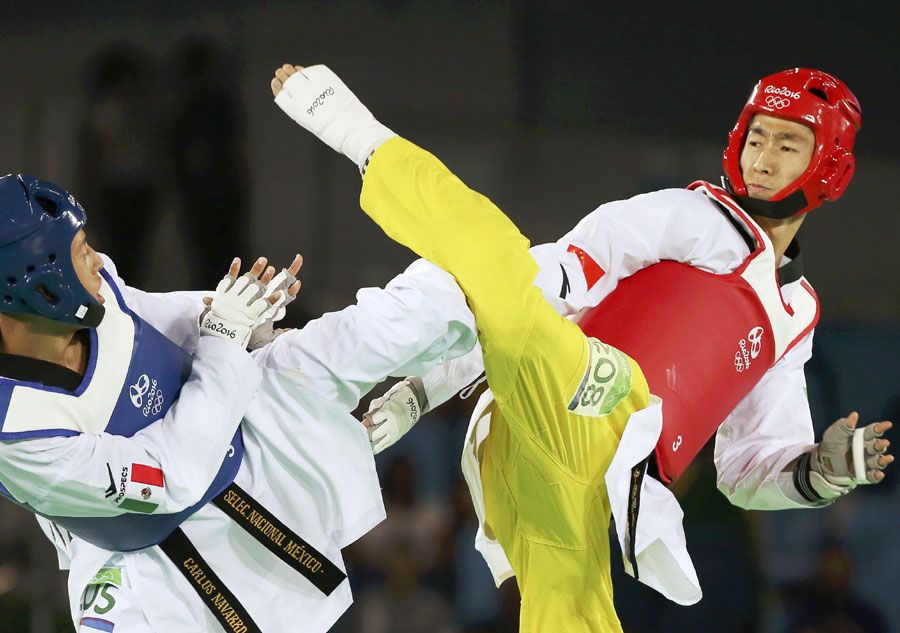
x=392 y=415
x=265 y=332
x=320 y=102
x=845 y=458
x=280 y=283
x=239 y=306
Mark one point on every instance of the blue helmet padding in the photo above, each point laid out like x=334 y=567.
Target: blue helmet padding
x=38 y=222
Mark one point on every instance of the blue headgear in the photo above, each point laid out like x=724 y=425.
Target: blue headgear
x=38 y=222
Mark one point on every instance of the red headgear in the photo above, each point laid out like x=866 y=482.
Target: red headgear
x=819 y=101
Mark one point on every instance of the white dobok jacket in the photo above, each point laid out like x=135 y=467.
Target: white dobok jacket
x=765 y=431
x=306 y=459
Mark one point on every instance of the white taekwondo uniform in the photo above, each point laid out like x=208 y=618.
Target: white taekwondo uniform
x=764 y=431
x=305 y=458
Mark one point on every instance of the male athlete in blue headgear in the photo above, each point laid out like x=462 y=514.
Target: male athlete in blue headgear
x=187 y=483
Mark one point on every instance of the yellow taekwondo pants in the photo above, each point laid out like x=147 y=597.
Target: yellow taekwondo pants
x=562 y=399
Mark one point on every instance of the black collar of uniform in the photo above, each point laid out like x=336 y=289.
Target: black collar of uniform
x=739 y=226
x=774 y=209
x=791 y=271
x=44 y=372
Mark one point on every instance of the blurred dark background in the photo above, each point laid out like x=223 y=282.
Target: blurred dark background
x=158 y=116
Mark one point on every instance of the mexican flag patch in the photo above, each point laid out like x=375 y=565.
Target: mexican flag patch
x=142 y=483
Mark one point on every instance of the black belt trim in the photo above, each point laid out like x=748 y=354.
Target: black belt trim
x=230 y=613
x=634 y=507
x=279 y=539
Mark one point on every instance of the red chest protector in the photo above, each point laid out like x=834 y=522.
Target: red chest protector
x=702 y=340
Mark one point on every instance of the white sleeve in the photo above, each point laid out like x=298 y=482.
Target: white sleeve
x=561 y=278
x=766 y=431
x=419 y=319
x=61 y=539
x=72 y=476
x=626 y=236
x=174 y=314
x=449 y=378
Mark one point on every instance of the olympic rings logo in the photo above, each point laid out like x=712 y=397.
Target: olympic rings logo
x=154 y=403
x=158 y=403
x=774 y=101
x=102 y=576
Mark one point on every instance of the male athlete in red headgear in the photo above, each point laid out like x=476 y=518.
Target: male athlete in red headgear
x=696 y=321
x=819 y=103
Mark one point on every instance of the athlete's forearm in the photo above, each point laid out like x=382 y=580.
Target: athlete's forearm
x=418 y=320
x=769 y=486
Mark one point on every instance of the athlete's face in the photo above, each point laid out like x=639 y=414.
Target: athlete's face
x=87 y=265
x=775 y=154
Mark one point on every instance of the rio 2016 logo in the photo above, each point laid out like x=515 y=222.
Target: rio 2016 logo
x=755 y=338
x=779 y=98
x=155 y=398
x=319 y=101
x=138 y=389
x=743 y=357
x=783 y=91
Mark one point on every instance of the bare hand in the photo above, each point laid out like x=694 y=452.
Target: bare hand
x=281 y=75
x=293 y=269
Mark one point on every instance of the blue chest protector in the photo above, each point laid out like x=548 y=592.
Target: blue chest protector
x=138 y=391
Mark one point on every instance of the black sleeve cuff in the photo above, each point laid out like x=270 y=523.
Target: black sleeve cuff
x=801 y=480
x=418 y=389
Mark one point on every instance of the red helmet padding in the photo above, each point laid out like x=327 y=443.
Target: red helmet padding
x=819 y=101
